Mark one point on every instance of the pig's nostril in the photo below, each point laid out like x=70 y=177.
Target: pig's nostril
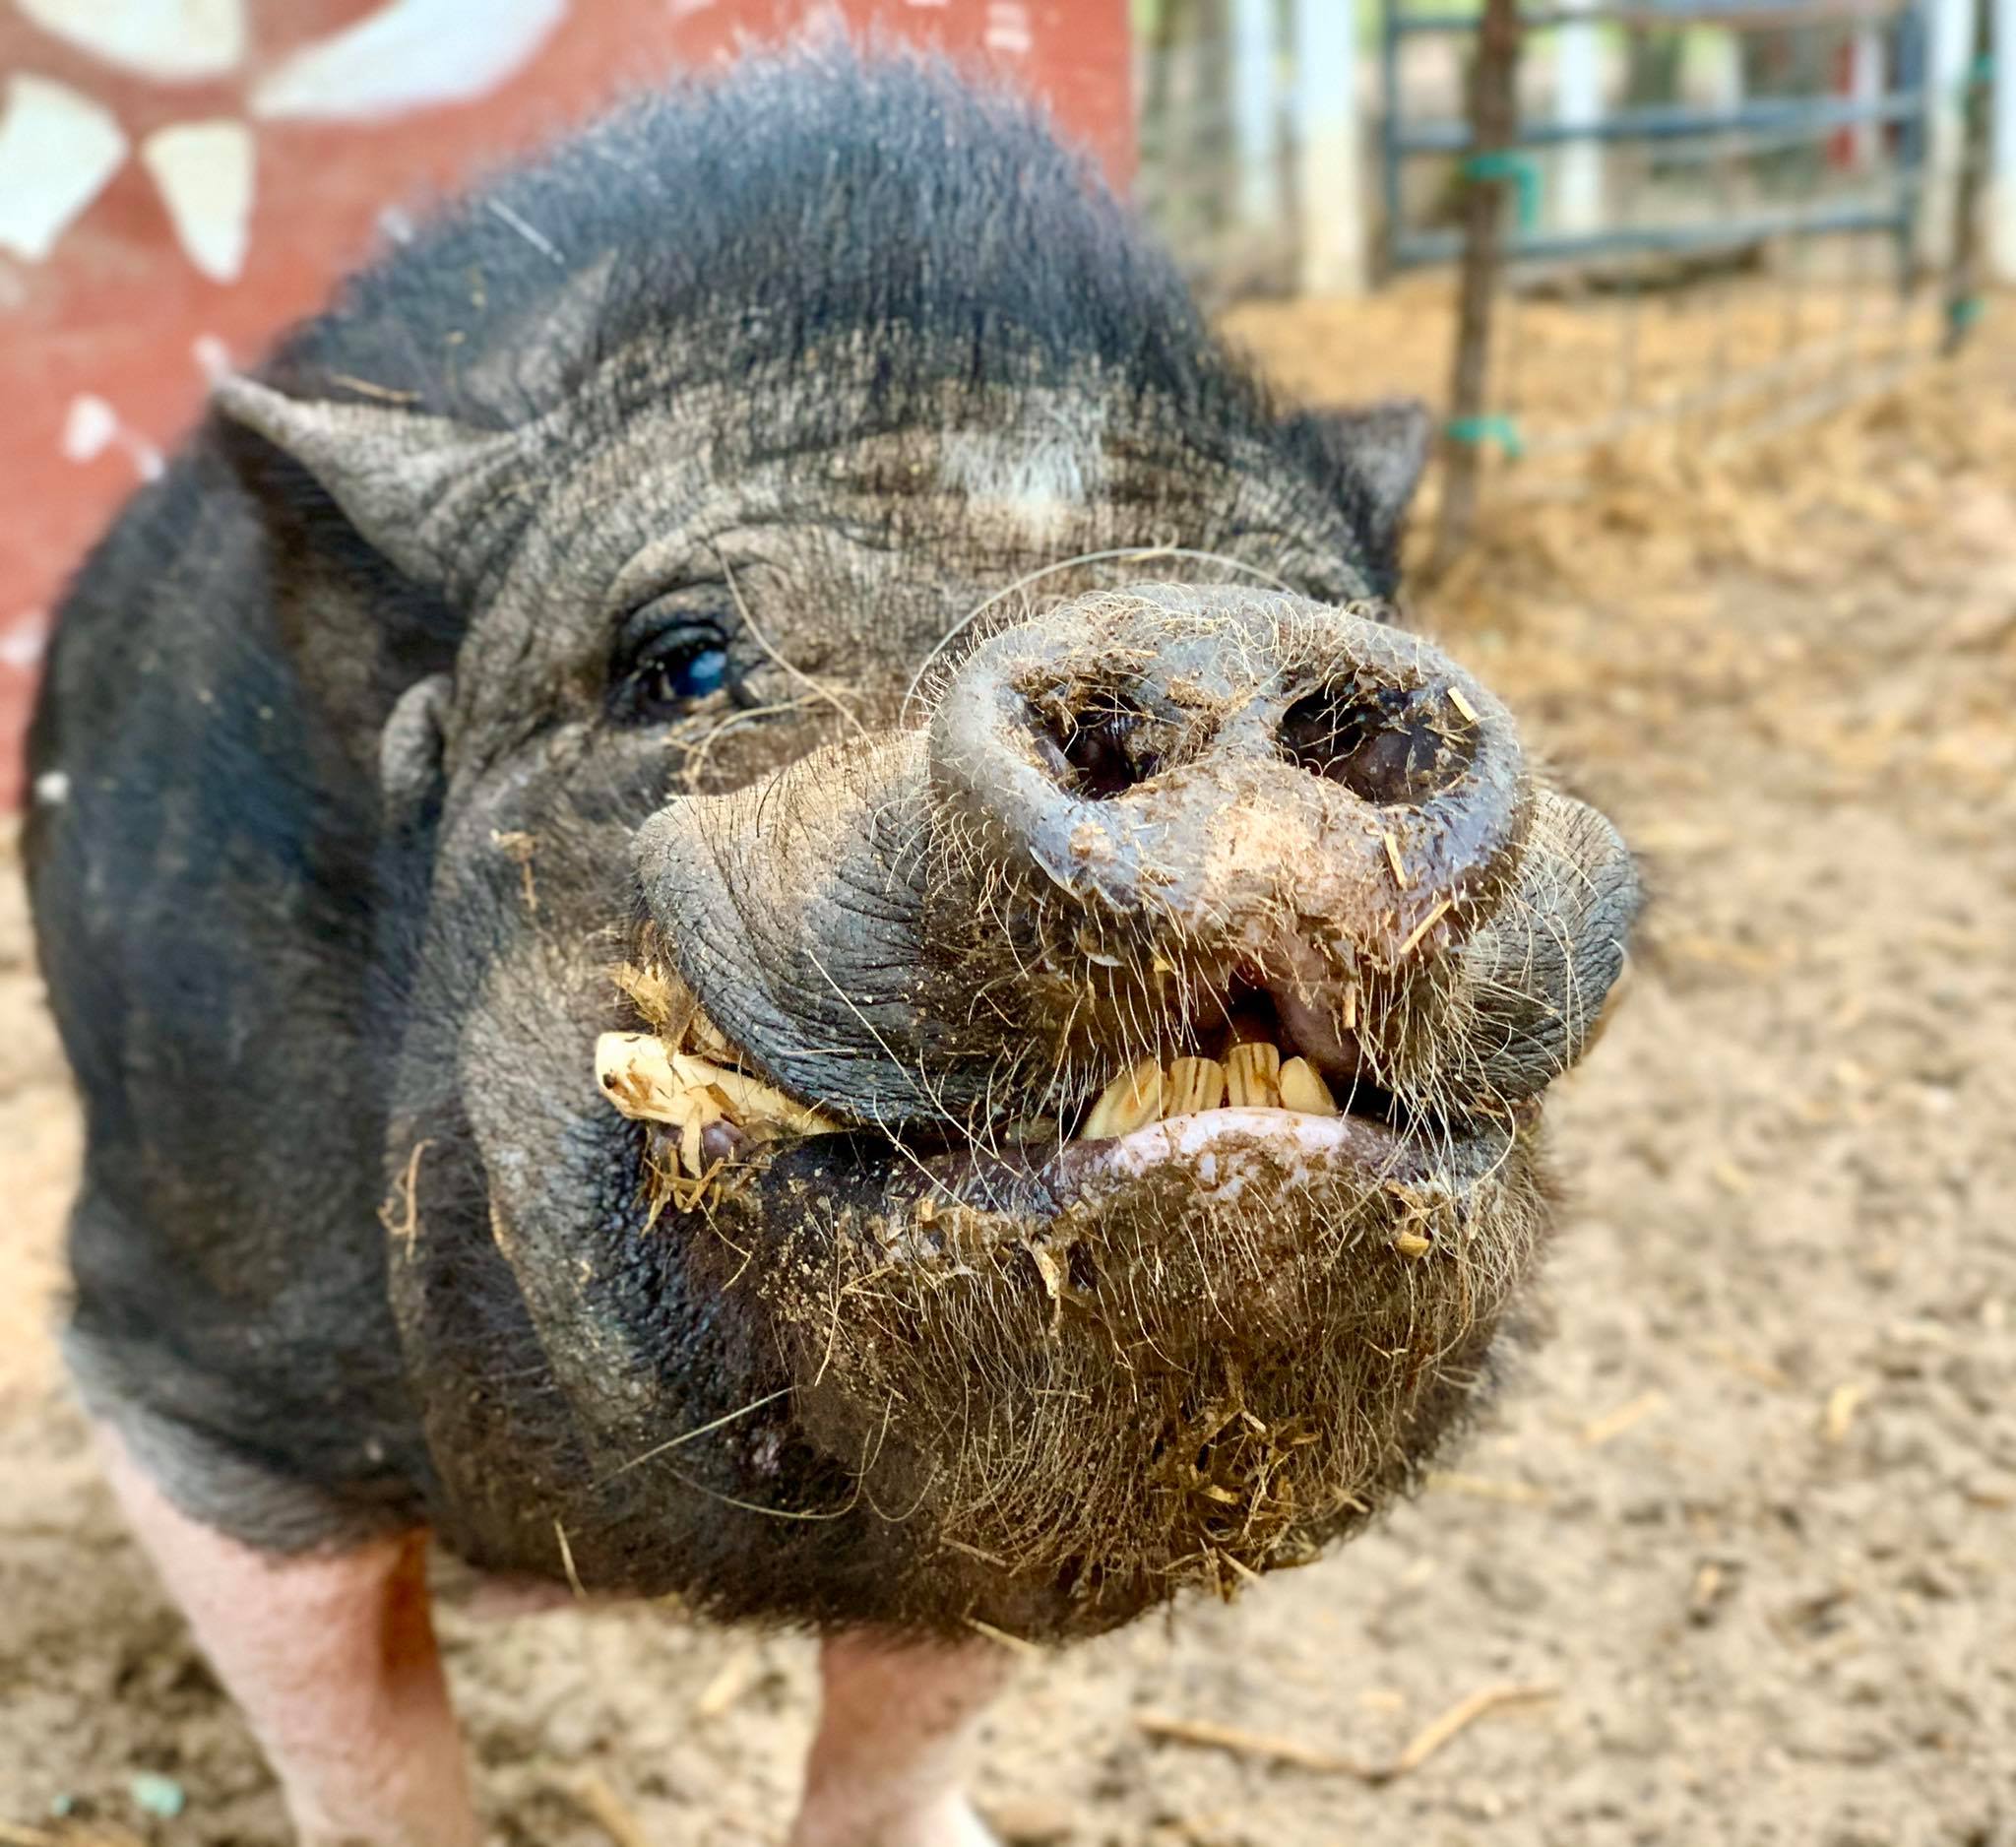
x=1100 y=762
x=1100 y=750
x=1386 y=744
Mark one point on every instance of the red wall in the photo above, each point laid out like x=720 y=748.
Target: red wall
x=109 y=333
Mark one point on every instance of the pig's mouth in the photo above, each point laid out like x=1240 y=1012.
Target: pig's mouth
x=1273 y=1085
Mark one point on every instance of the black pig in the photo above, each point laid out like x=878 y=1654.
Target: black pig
x=749 y=902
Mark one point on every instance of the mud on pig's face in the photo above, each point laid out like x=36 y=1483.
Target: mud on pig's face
x=1175 y=1003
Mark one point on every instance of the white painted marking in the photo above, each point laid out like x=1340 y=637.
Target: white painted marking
x=1008 y=27
x=23 y=643
x=2002 y=187
x=395 y=225
x=58 y=149
x=52 y=789
x=89 y=429
x=1324 y=43
x=1576 y=184
x=169 y=41
x=91 y=426
x=204 y=170
x=213 y=357
x=412 y=55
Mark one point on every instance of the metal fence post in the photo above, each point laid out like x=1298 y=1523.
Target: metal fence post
x=1493 y=122
x=1327 y=178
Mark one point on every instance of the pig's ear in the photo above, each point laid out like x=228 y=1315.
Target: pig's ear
x=1382 y=448
x=404 y=480
x=411 y=748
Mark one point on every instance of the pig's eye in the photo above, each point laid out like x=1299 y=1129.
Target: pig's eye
x=673 y=671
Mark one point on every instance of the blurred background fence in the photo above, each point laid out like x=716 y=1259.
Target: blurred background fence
x=1758 y=209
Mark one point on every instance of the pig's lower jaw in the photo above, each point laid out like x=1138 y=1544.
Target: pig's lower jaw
x=1272 y=1162
x=1090 y=1375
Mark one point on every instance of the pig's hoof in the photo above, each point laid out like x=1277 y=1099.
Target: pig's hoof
x=950 y=1823
x=953 y=1823
x=961 y=1827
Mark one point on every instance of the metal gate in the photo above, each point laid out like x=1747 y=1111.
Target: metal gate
x=1695 y=160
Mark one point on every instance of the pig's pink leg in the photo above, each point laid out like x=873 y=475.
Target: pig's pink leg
x=894 y=1731
x=333 y=1660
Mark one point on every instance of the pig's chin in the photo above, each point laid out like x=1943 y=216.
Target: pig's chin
x=1092 y=1374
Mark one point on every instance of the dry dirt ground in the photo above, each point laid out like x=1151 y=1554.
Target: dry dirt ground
x=1750 y=1519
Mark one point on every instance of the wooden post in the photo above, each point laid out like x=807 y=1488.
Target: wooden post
x=1494 y=121
x=1964 y=267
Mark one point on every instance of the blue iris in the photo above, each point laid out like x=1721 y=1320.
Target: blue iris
x=705 y=671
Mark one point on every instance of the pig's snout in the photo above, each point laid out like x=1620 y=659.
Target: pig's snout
x=1245 y=770
x=1129 y=820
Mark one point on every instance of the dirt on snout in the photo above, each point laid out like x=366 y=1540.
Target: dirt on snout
x=1744 y=1540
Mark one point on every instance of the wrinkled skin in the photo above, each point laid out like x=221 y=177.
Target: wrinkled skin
x=943 y=663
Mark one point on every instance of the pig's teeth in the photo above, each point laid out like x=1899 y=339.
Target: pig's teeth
x=1193 y=1084
x=1302 y=1088
x=650 y=1084
x=1132 y=1099
x=1252 y=1073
